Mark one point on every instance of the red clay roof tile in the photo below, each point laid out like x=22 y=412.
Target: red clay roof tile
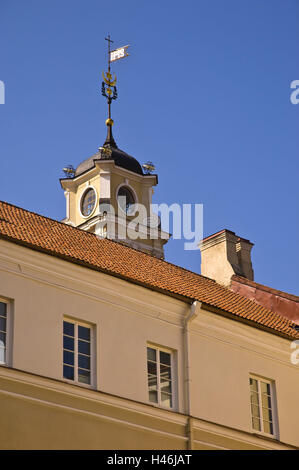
x=43 y=234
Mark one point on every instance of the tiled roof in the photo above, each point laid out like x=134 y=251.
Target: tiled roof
x=75 y=245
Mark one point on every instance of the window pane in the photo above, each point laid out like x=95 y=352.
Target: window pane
x=2 y=355
x=84 y=361
x=268 y=427
x=165 y=372
x=166 y=386
x=256 y=424
x=159 y=377
x=68 y=357
x=265 y=388
x=3 y=307
x=68 y=372
x=68 y=343
x=152 y=382
x=152 y=368
x=84 y=347
x=84 y=333
x=2 y=324
x=165 y=358
x=68 y=328
x=76 y=352
x=267 y=414
x=88 y=202
x=166 y=400
x=125 y=200
x=254 y=398
x=253 y=385
x=151 y=354
x=255 y=411
x=266 y=401
x=84 y=376
x=2 y=340
x=153 y=396
x=261 y=406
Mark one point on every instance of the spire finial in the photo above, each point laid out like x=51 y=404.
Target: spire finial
x=109 y=89
x=110 y=92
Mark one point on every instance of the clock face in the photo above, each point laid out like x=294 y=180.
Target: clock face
x=125 y=200
x=88 y=202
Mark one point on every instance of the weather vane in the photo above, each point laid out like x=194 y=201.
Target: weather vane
x=108 y=84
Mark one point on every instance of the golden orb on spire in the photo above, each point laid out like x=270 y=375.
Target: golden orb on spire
x=109 y=122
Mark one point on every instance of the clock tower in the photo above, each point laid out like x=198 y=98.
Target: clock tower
x=102 y=195
x=109 y=194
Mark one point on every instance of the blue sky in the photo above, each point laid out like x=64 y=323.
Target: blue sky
x=205 y=95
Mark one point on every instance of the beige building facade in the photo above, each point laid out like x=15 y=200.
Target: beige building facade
x=213 y=357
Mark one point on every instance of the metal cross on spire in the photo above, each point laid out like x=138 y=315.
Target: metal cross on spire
x=108 y=85
x=109 y=89
x=109 y=42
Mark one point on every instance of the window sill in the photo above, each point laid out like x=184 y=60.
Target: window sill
x=79 y=384
x=269 y=437
x=167 y=408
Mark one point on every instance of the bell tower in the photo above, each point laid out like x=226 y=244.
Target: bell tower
x=109 y=194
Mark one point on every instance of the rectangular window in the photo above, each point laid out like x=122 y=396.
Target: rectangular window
x=3 y=332
x=262 y=405
x=160 y=376
x=77 y=352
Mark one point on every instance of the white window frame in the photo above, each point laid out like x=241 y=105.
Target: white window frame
x=75 y=381
x=259 y=379
x=8 y=331
x=173 y=377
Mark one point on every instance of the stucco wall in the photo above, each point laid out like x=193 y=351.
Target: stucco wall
x=126 y=317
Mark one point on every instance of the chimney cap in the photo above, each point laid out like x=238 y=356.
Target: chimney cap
x=226 y=231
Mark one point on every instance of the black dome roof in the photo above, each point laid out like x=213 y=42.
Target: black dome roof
x=120 y=158
x=110 y=151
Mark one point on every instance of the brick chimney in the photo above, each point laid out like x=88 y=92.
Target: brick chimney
x=225 y=254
